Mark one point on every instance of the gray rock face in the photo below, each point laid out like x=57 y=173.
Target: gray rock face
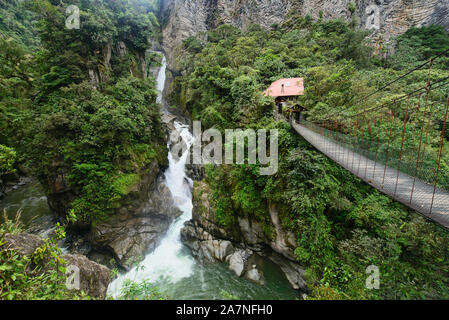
x=132 y=234
x=251 y=231
x=22 y=243
x=94 y=278
x=284 y=242
x=129 y=239
x=204 y=247
x=160 y=203
x=185 y=18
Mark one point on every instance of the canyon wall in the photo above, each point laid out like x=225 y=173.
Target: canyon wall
x=184 y=18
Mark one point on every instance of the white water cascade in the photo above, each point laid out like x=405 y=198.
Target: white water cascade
x=161 y=80
x=168 y=262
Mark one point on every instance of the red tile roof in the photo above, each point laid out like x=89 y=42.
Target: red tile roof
x=292 y=87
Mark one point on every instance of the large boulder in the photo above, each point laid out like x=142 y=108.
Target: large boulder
x=255 y=275
x=204 y=247
x=93 y=277
x=237 y=263
x=284 y=241
x=22 y=243
x=129 y=239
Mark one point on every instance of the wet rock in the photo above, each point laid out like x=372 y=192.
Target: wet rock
x=237 y=263
x=219 y=249
x=203 y=246
x=130 y=239
x=168 y=120
x=195 y=171
x=160 y=202
x=255 y=275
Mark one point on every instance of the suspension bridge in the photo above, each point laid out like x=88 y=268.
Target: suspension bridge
x=398 y=147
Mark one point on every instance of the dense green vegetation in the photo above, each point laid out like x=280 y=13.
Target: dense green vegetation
x=78 y=105
x=342 y=225
x=39 y=276
x=74 y=103
x=17 y=22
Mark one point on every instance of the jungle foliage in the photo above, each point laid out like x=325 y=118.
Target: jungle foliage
x=342 y=225
x=79 y=103
x=101 y=134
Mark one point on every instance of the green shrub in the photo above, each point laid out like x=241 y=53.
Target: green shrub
x=40 y=276
x=8 y=157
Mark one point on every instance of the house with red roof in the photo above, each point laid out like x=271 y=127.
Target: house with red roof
x=285 y=93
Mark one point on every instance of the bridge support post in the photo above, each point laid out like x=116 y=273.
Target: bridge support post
x=402 y=145
x=443 y=135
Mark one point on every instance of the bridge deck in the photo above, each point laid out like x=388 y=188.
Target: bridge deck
x=373 y=173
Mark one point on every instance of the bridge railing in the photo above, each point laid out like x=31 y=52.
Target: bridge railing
x=398 y=146
x=405 y=160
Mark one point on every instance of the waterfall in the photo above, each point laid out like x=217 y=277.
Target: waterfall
x=168 y=262
x=161 y=80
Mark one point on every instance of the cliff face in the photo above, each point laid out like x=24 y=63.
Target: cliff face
x=184 y=18
x=241 y=242
x=143 y=214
